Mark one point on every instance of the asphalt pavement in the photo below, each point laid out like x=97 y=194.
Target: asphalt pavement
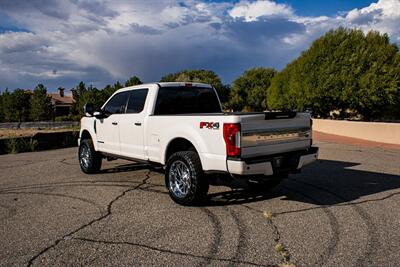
x=343 y=210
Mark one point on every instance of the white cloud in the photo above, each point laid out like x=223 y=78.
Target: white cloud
x=14 y=42
x=251 y=11
x=383 y=16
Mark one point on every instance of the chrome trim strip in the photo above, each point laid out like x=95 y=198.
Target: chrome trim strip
x=283 y=130
x=258 y=138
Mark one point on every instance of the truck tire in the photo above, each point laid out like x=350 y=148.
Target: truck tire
x=185 y=180
x=89 y=158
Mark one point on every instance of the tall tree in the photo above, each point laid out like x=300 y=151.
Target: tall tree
x=16 y=105
x=8 y=114
x=78 y=94
x=249 y=91
x=1 y=108
x=83 y=95
x=118 y=85
x=134 y=80
x=41 y=107
x=346 y=71
x=203 y=76
x=107 y=91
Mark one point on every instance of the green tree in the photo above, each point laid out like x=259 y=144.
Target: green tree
x=8 y=115
x=345 y=70
x=203 y=76
x=107 y=92
x=134 y=80
x=1 y=108
x=83 y=95
x=41 y=107
x=16 y=105
x=94 y=96
x=249 y=90
x=78 y=93
x=118 y=86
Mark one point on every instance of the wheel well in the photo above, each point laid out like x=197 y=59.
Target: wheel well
x=85 y=135
x=179 y=144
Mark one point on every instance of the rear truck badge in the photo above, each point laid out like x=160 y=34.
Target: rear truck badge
x=209 y=125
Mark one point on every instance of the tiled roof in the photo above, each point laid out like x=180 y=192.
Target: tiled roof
x=63 y=100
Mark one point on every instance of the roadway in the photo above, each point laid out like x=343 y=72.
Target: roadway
x=341 y=211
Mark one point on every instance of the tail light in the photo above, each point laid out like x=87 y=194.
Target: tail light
x=232 y=139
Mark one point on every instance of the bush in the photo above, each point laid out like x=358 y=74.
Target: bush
x=16 y=145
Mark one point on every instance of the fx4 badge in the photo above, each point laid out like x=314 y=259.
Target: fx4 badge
x=209 y=125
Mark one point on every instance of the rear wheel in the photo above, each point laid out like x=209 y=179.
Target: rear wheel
x=184 y=178
x=89 y=158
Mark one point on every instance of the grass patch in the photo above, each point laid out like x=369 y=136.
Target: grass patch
x=15 y=145
x=39 y=141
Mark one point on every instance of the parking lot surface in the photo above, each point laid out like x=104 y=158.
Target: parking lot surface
x=343 y=210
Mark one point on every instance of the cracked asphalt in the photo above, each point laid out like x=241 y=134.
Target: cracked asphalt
x=343 y=210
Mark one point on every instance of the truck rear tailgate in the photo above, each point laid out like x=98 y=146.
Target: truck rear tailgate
x=266 y=134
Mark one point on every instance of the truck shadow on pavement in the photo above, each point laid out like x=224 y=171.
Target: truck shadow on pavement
x=325 y=182
x=125 y=168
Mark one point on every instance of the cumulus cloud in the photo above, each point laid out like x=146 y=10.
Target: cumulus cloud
x=250 y=11
x=383 y=16
x=102 y=41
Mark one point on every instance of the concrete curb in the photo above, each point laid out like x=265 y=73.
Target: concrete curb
x=380 y=132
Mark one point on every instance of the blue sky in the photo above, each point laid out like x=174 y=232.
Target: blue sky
x=61 y=42
x=327 y=8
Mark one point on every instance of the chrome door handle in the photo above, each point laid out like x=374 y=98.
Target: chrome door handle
x=114 y=123
x=138 y=123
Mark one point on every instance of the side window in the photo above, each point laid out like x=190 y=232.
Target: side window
x=117 y=103
x=137 y=99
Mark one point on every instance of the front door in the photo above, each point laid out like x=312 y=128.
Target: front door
x=131 y=126
x=107 y=129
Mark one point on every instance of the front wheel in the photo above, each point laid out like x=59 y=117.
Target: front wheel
x=184 y=178
x=89 y=158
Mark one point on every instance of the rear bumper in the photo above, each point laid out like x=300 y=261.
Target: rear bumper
x=280 y=163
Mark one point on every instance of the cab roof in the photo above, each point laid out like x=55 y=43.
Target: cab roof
x=169 y=84
x=164 y=84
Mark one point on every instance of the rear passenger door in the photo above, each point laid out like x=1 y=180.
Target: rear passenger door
x=131 y=125
x=107 y=129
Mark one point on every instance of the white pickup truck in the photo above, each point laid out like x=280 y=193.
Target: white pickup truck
x=182 y=127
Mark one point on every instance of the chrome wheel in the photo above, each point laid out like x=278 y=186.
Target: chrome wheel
x=84 y=156
x=179 y=179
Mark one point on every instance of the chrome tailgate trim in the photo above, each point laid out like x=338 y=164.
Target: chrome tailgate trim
x=267 y=137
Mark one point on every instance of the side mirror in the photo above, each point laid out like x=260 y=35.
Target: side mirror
x=88 y=109
x=99 y=114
